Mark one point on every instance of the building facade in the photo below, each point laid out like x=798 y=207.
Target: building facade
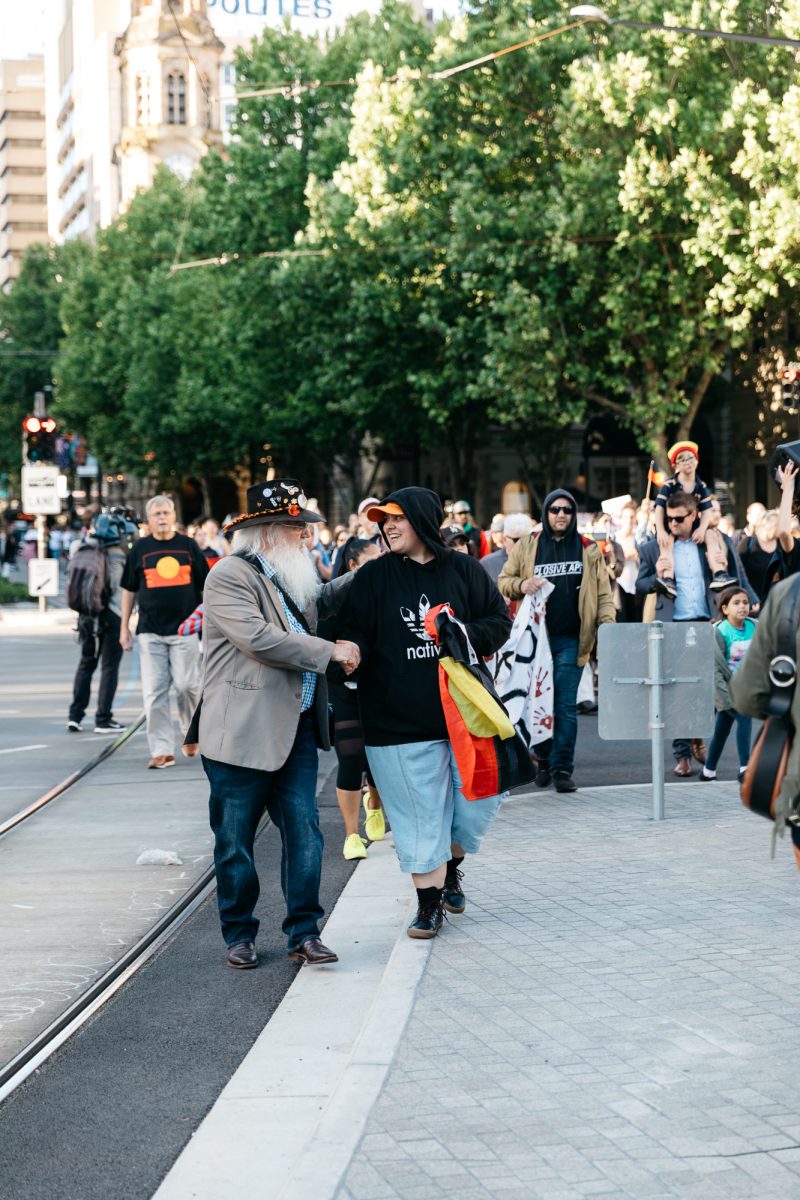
x=83 y=104
x=23 y=190
x=131 y=84
x=169 y=61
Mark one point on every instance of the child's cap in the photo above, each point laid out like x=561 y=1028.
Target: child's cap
x=679 y=448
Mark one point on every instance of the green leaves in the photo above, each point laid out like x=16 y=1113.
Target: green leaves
x=587 y=225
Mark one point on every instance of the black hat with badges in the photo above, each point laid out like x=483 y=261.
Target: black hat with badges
x=275 y=500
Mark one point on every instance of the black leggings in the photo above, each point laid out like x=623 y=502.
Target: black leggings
x=348 y=740
x=349 y=745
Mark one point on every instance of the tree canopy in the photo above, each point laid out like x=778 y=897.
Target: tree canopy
x=407 y=255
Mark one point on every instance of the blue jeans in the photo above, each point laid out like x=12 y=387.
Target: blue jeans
x=238 y=798
x=559 y=750
x=722 y=728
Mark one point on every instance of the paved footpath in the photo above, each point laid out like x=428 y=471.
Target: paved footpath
x=614 y=1015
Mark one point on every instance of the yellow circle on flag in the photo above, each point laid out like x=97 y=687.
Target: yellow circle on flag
x=167 y=567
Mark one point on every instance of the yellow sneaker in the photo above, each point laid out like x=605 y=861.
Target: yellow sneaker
x=375 y=825
x=354 y=847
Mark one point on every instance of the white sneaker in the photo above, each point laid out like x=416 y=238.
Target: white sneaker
x=74 y=727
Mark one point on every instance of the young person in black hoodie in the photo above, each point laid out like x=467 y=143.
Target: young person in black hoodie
x=581 y=600
x=404 y=727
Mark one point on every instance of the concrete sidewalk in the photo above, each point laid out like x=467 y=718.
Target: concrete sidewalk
x=612 y=1016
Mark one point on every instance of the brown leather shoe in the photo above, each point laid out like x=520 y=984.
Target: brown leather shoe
x=699 y=750
x=242 y=955
x=161 y=761
x=683 y=767
x=312 y=951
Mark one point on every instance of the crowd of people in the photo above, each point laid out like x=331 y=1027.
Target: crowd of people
x=278 y=635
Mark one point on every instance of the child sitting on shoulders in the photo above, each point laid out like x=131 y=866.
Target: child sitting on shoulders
x=684 y=458
x=733 y=635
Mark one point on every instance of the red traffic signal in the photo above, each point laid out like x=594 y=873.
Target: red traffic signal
x=38 y=435
x=790 y=374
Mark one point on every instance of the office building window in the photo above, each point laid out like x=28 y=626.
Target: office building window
x=176 y=99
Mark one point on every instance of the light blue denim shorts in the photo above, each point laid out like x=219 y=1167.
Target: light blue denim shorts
x=420 y=788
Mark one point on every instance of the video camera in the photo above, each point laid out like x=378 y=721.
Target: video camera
x=787 y=452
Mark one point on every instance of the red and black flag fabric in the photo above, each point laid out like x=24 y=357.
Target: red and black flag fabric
x=490 y=754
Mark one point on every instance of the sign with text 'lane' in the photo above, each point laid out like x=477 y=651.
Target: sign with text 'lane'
x=40 y=490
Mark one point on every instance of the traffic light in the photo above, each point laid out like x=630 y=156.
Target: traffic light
x=39 y=439
x=790 y=386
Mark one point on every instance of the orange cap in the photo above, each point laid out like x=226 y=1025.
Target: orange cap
x=379 y=512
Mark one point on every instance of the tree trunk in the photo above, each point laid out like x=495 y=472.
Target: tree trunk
x=205 y=491
x=685 y=427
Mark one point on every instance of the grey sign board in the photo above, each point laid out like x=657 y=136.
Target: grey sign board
x=656 y=681
x=625 y=680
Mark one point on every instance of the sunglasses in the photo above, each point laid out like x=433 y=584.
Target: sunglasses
x=679 y=519
x=561 y=508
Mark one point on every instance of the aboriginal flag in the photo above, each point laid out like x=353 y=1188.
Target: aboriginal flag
x=491 y=755
x=172 y=568
x=654 y=476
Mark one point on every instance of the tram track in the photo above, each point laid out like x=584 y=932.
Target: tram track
x=25 y=813
x=83 y=1007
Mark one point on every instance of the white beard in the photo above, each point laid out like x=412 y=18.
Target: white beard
x=296 y=572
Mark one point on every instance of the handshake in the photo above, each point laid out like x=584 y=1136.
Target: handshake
x=348 y=655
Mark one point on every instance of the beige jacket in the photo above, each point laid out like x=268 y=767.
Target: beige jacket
x=595 y=601
x=253 y=673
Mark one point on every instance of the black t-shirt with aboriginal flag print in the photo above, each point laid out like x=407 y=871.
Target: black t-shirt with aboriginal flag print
x=168 y=577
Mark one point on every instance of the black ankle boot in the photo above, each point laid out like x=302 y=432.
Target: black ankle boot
x=429 y=918
x=453 y=898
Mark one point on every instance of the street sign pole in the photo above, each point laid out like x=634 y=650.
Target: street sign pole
x=655 y=662
x=674 y=662
x=41 y=533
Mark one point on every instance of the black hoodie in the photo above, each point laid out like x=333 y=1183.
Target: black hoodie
x=560 y=560
x=398 y=681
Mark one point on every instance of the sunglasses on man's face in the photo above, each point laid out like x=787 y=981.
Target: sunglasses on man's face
x=561 y=508
x=679 y=519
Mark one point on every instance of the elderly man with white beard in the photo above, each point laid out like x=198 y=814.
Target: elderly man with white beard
x=263 y=714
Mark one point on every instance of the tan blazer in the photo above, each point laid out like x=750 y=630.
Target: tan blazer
x=253 y=665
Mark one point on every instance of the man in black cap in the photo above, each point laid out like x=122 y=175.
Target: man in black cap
x=264 y=713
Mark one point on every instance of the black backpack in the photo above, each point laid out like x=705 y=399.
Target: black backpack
x=88 y=588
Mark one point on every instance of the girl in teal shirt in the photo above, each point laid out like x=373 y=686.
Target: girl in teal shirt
x=734 y=635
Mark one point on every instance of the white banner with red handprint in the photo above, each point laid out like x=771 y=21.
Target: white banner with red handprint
x=523 y=670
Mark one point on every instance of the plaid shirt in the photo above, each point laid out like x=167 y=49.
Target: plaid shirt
x=309 y=677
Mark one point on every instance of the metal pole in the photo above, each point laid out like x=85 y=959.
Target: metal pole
x=655 y=657
x=41 y=535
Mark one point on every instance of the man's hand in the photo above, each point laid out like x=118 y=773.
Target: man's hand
x=348 y=655
x=529 y=587
x=663 y=566
x=126 y=639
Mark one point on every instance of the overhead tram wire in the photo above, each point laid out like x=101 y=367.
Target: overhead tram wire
x=226 y=258
x=295 y=88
